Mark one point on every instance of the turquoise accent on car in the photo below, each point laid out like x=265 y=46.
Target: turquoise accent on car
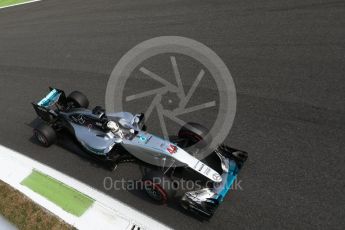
x=142 y=138
x=231 y=177
x=50 y=99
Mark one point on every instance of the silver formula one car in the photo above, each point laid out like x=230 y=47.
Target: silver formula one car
x=114 y=137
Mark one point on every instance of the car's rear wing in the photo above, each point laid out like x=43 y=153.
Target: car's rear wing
x=45 y=107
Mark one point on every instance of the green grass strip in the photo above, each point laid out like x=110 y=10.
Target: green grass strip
x=11 y=2
x=62 y=195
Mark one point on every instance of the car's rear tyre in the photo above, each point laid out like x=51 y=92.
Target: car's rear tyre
x=158 y=187
x=78 y=99
x=45 y=135
x=193 y=133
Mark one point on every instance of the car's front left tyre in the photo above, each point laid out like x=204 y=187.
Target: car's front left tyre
x=158 y=187
x=45 y=135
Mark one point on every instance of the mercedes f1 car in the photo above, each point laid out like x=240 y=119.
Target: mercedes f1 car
x=115 y=136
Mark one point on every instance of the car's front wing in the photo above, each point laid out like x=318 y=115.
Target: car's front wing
x=204 y=202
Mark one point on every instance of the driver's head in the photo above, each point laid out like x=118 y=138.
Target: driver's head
x=113 y=126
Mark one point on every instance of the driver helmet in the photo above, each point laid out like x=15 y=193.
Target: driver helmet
x=113 y=126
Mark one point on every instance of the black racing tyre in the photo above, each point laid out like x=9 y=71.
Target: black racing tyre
x=193 y=133
x=158 y=187
x=78 y=99
x=45 y=135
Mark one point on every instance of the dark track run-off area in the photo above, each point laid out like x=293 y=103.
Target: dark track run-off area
x=287 y=59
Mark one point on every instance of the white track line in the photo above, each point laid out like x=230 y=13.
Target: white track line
x=18 y=4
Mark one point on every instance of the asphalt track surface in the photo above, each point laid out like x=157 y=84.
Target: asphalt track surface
x=287 y=59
